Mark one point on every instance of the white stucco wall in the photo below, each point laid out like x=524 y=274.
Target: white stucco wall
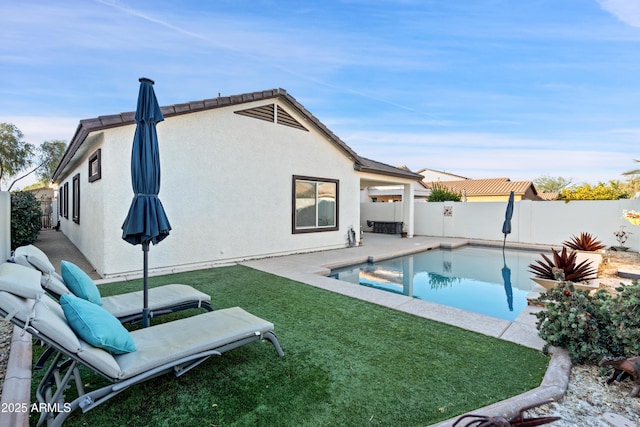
x=539 y=222
x=226 y=187
x=5 y=225
x=87 y=234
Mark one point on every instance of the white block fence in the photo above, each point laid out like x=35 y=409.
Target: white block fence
x=535 y=222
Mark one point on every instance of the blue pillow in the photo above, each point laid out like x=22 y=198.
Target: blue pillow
x=96 y=325
x=79 y=282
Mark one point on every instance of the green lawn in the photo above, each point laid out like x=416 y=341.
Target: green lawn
x=347 y=363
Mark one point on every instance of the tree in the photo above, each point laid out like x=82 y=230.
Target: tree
x=551 y=185
x=50 y=154
x=440 y=193
x=614 y=190
x=633 y=171
x=633 y=181
x=15 y=153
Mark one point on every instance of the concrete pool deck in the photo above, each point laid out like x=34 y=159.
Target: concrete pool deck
x=313 y=268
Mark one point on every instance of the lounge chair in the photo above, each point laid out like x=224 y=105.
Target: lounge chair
x=126 y=307
x=175 y=346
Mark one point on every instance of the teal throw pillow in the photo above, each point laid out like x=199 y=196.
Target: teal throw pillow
x=96 y=325
x=79 y=282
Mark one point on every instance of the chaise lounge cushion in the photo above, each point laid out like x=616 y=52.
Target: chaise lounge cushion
x=96 y=326
x=30 y=255
x=79 y=282
x=21 y=281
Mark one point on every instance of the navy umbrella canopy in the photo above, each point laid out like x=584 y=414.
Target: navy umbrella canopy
x=506 y=226
x=146 y=221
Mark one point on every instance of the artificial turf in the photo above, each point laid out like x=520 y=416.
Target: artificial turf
x=347 y=363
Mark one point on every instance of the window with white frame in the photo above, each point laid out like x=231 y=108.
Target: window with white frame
x=315 y=204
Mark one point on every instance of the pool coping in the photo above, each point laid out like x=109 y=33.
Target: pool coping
x=314 y=268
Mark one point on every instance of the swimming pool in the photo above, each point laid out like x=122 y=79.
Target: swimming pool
x=472 y=278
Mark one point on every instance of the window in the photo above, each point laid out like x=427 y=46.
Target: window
x=95 y=166
x=75 y=214
x=315 y=204
x=61 y=201
x=65 y=201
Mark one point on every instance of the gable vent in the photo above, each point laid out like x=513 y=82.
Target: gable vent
x=265 y=112
x=286 y=119
x=270 y=114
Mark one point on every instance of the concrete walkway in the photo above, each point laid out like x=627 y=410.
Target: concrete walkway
x=58 y=247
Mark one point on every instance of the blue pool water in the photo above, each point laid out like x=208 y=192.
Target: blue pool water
x=472 y=278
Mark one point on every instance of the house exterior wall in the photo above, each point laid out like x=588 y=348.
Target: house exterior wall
x=432 y=176
x=536 y=222
x=88 y=234
x=226 y=187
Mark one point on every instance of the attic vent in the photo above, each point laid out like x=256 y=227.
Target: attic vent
x=286 y=119
x=265 y=112
x=268 y=113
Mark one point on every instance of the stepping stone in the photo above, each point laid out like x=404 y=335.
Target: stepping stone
x=629 y=272
x=617 y=420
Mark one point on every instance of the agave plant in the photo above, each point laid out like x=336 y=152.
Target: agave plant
x=586 y=242
x=565 y=261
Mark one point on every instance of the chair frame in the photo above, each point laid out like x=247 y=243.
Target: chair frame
x=64 y=369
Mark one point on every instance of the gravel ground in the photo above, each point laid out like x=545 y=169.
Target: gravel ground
x=6 y=331
x=587 y=399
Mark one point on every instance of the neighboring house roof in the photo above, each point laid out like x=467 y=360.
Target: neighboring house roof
x=115 y=120
x=489 y=186
x=425 y=171
x=548 y=196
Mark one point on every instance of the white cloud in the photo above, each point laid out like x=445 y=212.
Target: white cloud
x=37 y=129
x=628 y=11
x=487 y=155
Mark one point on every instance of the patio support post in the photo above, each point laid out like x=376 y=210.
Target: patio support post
x=408 y=208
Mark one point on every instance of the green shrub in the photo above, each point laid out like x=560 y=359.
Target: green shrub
x=440 y=193
x=26 y=215
x=591 y=326
x=624 y=316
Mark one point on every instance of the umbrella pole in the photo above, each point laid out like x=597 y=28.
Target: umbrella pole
x=145 y=288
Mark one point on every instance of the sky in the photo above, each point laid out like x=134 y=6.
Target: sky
x=481 y=89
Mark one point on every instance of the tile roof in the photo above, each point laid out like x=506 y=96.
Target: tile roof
x=115 y=120
x=488 y=186
x=548 y=196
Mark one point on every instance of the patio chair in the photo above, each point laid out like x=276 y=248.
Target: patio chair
x=176 y=346
x=126 y=307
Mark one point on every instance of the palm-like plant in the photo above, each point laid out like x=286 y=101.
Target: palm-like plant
x=565 y=261
x=585 y=242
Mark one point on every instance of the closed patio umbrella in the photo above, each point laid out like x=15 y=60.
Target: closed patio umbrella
x=146 y=221
x=506 y=226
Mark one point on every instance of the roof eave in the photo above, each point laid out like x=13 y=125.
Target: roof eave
x=85 y=127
